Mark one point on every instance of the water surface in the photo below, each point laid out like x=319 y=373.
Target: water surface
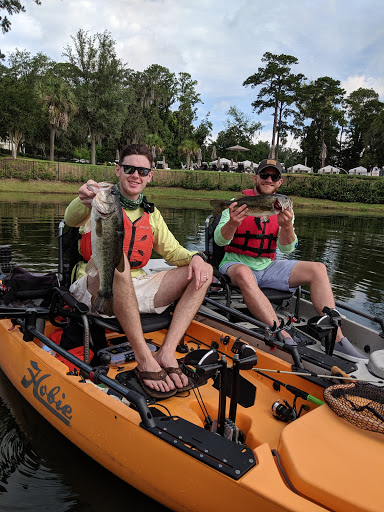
x=35 y=477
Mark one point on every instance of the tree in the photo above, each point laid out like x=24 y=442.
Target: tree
x=188 y=98
x=11 y=7
x=239 y=129
x=154 y=141
x=278 y=92
x=374 y=141
x=202 y=131
x=319 y=102
x=188 y=148
x=60 y=100
x=99 y=78
x=362 y=108
x=21 y=112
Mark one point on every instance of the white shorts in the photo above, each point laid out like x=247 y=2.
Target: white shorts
x=145 y=287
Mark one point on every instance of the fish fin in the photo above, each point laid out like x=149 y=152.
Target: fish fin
x=87 y=226
x=217 y=206
x=264 y=218
x=121 y=265
x=91 y=268
x=99 y=227
x=104 y=304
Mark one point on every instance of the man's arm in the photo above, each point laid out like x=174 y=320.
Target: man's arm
x=285 y=221
x=79 y=210
x=226 y=230
x=287 y=241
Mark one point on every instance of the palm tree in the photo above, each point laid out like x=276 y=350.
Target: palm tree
x=58 y=96
x=188 y=148
x=155 y=141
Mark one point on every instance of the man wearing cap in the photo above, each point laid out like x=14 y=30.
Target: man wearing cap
x=253 y=265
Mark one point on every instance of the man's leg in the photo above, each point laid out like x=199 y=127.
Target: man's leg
x=175 y=285
x=127 y=312
x=257 y=303
x=315 y=274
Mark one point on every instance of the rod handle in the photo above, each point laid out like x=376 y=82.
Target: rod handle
x=339 y=373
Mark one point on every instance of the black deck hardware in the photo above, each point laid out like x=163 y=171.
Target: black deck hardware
x=247 y=391
x=232 y=459
x=325 y=361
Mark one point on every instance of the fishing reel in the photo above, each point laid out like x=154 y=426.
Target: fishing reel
x=284 y=411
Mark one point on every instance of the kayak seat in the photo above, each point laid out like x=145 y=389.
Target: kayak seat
x=222 y=284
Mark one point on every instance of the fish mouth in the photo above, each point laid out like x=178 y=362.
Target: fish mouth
x=277 y=205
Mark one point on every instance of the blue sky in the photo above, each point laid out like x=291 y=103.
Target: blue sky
x=219 y=42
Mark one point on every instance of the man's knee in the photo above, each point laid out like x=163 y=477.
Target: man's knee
x=242 y=276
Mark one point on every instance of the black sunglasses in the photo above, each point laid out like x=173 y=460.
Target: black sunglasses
x=130 y=169
x=266 y=175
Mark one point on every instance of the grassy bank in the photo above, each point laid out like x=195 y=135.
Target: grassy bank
x=53 y=190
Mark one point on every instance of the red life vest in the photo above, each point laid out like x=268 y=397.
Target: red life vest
x=137 y=244
x=255 y=238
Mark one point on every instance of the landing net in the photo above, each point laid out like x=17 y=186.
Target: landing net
x=359 y=403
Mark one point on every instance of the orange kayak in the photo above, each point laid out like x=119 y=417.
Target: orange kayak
x=242 y=437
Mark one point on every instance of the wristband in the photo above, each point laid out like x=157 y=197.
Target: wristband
x=202 y=255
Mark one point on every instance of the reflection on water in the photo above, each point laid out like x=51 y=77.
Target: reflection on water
x=351 y=246
x=34 y=477
x=40 y=470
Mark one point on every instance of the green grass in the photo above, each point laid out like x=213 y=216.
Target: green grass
x=178 y=197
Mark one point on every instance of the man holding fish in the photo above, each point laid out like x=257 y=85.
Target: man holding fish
x=250 y=229
x=117 y=243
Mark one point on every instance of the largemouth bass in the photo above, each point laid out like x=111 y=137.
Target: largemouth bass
x=262 y=206
x=107 y=234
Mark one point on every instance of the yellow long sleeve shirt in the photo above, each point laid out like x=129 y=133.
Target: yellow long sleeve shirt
x=165 y=244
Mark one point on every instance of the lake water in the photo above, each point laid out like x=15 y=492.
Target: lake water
x=39 y=468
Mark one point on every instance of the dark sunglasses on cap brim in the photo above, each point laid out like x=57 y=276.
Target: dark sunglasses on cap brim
x=265 y=175
x=130 y=169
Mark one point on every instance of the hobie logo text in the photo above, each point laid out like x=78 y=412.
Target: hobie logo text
x=52 y=398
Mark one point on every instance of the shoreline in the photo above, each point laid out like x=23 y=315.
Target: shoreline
x=43 y=191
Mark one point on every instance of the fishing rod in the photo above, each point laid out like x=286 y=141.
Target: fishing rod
x=340 y=376
x=299 y=393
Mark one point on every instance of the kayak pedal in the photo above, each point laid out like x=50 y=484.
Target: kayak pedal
x=231 y=459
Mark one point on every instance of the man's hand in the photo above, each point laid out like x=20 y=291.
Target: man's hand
x=285 y=218
x=285 y=221
x=85 y=193
x=237 y=215
x=201 y=270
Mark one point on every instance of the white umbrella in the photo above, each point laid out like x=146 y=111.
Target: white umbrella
x=323 y=154
x=358 y=170
x=329 y=169
x=199 y=156
x=213 y=154
x=237 y=148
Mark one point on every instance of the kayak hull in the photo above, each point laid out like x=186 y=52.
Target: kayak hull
x=110 y=432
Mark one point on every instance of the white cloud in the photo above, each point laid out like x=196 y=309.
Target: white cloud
x=219 y=42
x=352 y=83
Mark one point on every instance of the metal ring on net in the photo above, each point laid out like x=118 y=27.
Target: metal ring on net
x=360 y=403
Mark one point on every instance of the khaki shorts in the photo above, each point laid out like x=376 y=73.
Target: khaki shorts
x=145 y=287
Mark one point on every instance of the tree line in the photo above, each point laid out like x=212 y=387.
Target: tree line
x=92 y=104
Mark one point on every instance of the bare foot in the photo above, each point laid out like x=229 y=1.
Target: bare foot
x=170 y=361
x=151 y=365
